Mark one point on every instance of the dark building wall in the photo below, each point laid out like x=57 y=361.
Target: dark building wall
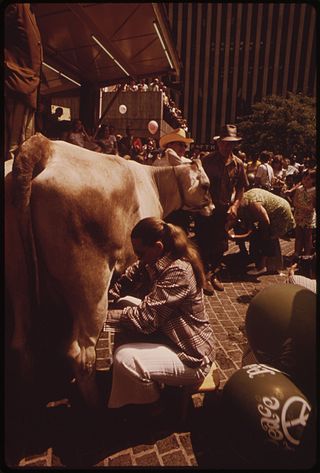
x=234 y=54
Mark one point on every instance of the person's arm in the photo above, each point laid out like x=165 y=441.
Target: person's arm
x=293 y=189
x=115 y=145
x=159 y=305
x=260 y=215
x=114 y=316
x=126 y=282
x=258 y=175
x=278 y=180
x=239 y=191
x=86 y=136
x=271 y=176
x=233 y=209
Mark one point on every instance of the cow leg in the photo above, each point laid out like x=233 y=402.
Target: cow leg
x=87 y=326
x=18 y=303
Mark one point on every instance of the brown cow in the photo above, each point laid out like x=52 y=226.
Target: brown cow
x=69 y=214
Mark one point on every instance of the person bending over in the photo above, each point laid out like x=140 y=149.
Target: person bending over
x=177 y=347
x=274 y=219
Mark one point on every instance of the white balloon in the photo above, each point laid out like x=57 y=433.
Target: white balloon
x=122 y=109
x=153 y=127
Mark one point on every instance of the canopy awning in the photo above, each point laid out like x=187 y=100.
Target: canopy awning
x=103 y=43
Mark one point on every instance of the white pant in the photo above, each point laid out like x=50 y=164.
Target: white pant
x=140 y=368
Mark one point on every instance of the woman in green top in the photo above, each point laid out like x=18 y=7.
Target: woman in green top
x=273 y=217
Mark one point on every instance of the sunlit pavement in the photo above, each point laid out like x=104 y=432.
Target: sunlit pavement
x=166 y=444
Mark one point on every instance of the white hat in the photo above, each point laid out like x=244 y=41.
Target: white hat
x=176 y=135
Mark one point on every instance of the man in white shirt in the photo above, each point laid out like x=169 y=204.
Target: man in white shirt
x=289 y=168
x=265 y=177
x=175 y=144
x=155 y=85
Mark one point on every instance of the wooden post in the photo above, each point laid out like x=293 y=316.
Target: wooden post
x=107 y=109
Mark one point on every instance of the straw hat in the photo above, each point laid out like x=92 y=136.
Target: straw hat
x=228 y=133
x=176 y=135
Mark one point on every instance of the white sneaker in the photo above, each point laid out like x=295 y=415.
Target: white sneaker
x=257 y=272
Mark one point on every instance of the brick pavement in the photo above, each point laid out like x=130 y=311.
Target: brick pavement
x=193 y=445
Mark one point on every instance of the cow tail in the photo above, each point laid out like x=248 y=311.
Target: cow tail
x=30 y=159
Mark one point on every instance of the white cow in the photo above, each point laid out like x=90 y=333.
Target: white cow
x=69 y=214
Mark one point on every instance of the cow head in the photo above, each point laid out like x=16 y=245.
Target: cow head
x=194 y=188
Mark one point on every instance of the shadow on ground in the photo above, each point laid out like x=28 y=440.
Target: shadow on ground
x=235 y=269
x=210 y=437
x=81 y=437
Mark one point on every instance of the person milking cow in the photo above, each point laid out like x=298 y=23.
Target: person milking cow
x=169 y=337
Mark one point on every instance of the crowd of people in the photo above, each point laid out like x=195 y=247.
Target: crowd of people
x=271 y=195
x=293 y=181
x=172 y=113
x=104 y=140
x=273 y=181
x=174 y=270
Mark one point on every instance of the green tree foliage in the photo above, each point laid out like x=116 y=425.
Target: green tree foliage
x=282 y=125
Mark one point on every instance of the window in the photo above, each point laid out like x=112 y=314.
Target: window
x=66 y=112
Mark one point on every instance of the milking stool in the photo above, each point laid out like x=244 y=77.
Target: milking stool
x=210 y=384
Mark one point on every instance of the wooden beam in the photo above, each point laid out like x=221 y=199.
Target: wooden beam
x=80 y=13
x=104 y=113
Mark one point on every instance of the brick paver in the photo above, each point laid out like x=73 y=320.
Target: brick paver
x=227 y=312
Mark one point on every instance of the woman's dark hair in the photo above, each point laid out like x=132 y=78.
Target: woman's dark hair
x=277 y=158
x=59 y=111
x=266 y=156
x=174 y=240
x=74 y=123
